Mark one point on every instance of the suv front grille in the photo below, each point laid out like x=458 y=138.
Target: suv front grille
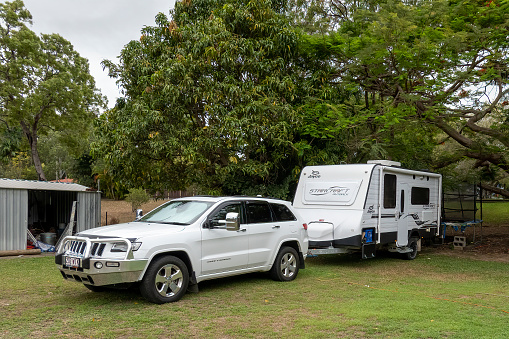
x=97 y=249
x=78 y=247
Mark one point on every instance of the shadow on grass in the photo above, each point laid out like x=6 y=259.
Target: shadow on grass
x=79 y=294
x=353 y=260
x=249 y=281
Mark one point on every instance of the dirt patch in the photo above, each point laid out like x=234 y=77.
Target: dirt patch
x=488 y=243
x=119 y=211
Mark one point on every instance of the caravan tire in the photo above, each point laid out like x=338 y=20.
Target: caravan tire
x=286 y=266
x=412 y=243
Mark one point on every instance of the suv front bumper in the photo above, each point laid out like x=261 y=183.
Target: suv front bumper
x=111 y=272
x=93 y=262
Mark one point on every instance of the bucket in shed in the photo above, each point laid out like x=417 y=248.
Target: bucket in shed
x=49 y=238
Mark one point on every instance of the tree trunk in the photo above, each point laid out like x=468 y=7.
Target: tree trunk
x=37 y=160
x=32 y=141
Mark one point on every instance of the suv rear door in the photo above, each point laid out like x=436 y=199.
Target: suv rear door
x=267 y=225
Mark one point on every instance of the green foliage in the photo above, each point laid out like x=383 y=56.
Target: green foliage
x=82 y=170
x=19 y=166
x=230 y=96
x=416 y=71
x=61 y=152
x=209 y=99
x=106 y=182
x=62 y=156
x=137 y=197
x=10 y=143
x=44 y=83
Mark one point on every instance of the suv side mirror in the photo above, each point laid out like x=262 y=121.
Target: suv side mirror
x=232 y=221
x=139 y=214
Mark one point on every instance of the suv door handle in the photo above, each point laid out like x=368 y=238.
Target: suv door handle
x=277 y=226
x=242 y=230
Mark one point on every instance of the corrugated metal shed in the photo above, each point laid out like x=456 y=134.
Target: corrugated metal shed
x=88 y=205
x=13 y=227
x=43 y=207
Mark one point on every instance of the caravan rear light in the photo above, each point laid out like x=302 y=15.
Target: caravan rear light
x=305 y=226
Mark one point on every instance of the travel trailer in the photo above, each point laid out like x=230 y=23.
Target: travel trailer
x=365 y=207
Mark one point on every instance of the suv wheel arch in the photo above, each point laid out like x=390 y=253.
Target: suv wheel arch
x=296 y=246
x=182 y=255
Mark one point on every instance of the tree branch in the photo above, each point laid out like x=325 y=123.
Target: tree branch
x=502 y=137
x=460 y=138
x=495 y=190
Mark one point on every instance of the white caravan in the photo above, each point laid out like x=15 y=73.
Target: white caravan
x=362 y=207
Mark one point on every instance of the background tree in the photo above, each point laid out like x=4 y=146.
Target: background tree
x=440 y=64
x=65 y=156
x=44 y=84
x=209 y=99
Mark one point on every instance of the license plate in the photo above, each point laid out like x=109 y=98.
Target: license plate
x=72 y=262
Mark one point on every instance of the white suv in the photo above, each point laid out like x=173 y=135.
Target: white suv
x=185 y=241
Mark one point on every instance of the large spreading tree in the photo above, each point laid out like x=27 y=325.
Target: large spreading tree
x=435 y=66
x=44 y=83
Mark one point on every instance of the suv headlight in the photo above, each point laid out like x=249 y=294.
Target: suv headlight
x=122 y=246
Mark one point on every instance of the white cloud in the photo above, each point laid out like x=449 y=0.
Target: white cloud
x=98 y=29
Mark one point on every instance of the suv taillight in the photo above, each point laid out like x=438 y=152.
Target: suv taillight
x=305 y=226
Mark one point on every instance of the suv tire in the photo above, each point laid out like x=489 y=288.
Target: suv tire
x=165 y=281
x=286 y=266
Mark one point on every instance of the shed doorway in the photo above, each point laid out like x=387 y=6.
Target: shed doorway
x=49 y=211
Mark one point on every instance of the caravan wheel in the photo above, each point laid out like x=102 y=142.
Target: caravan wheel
x=412 y=243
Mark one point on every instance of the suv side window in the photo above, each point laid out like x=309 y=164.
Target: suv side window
x=258 y=212
x=282 y=213
x=221 y=214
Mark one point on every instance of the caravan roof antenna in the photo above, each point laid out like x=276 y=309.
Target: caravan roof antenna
x=385 y=163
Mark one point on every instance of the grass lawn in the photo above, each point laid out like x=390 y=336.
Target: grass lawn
x=434 y=296
x=495 y=213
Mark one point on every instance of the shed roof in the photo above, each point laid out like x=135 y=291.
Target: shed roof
x=41 y=185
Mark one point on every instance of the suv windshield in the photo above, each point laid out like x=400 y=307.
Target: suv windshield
x=177 y=212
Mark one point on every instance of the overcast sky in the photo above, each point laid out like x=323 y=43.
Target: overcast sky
x=98 y=29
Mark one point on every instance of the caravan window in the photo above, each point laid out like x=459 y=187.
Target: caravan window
x=389 y=191
x=420 y=196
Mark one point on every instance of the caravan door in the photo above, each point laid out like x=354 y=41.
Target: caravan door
x=402 y=214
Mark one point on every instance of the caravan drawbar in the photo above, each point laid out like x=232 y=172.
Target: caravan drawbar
x=365 y=207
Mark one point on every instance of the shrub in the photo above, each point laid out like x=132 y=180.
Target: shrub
x=137 y=197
